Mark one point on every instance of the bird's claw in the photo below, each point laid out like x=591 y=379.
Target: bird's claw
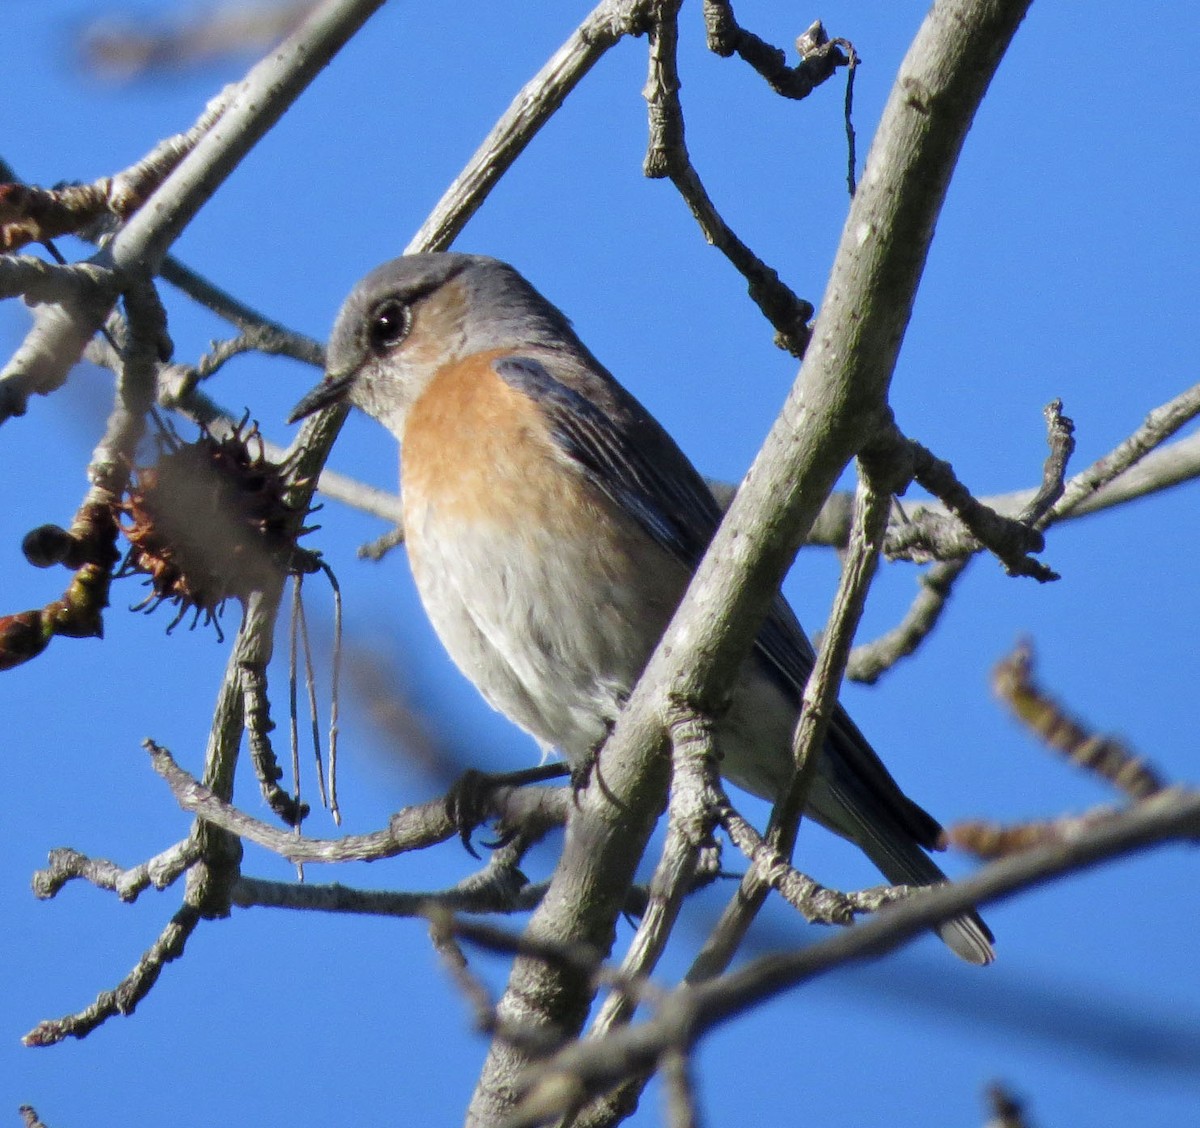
x=469 y=800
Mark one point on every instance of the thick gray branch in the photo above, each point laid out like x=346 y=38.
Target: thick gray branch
x=838 y=401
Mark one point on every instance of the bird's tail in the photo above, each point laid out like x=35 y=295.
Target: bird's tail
x=903 y=862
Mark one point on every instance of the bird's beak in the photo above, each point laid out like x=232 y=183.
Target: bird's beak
x=332 y=390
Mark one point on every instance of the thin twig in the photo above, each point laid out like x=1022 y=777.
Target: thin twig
x=603 y=28
x=690 y=822
x=820 y=696
x=137 y=249
x=413 y=828
x=819 y=56
x=89 y=546
x=690 y=1012
x=815 y=902
x=257 y=711
x=667 y=156
x=234 y=310
x=62 y=326
x=1160 y=469
x=848 y=115
x=124 y=998
x=65 y=865
x=184 y=278
x=335 y=697
x=476 y=897
x=1011 y=541
x=310 y=685
x=1061 y=440
x=1158 y=426
x=29 y=214
x=870 y=661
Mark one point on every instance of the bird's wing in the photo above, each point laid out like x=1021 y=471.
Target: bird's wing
x=631 y=460
x=627 y=456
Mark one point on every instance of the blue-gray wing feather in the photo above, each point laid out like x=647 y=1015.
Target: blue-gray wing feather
x=637 y=467
x=631 y=460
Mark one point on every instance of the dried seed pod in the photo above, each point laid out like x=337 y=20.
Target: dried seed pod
x=210 y=521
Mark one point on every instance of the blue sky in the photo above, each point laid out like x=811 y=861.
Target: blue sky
x=1064 y=265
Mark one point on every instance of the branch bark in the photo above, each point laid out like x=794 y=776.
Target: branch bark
x=605 y=26
x=837 y=403
x=690 y=1012
x=136 y=252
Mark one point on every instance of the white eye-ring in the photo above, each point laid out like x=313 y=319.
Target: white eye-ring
x=389 y=325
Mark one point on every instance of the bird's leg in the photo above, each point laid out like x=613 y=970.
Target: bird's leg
x=468 y=802
x=582 y=772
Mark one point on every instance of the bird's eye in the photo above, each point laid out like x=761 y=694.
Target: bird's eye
x=389 y=325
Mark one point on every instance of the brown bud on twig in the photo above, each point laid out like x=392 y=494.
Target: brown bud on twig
x=1104 y=756
x=23 y=636
x=989 y=840
x=78 y=612
x=48 y=545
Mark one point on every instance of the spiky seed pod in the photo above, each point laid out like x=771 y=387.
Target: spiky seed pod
x=209 y=521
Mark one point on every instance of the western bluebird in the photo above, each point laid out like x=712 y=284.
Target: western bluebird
x=552 y=526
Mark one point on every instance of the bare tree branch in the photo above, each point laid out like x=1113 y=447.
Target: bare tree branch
x=69 y=865
x=838 y=402
x=870 y=661
x=1159 y=425
x=605 y=26
x=35 y=215
x=413 y=828
x=667 y=156
x=60 y=332
x=487 y=892
x=691 y=1011
x=124 y=998
x=690 y=822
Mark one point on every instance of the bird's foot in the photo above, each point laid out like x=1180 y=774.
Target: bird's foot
x=469 y=800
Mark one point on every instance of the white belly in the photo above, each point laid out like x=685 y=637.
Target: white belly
x=552 y=630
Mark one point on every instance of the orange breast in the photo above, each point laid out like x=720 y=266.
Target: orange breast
x=477 y=449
